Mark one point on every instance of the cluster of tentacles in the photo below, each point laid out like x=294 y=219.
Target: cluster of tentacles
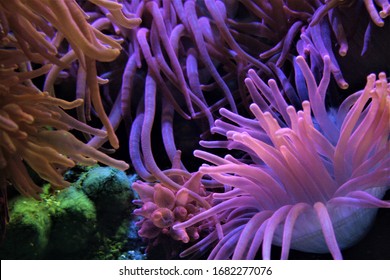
x=44 y=38
x=311 y=184
x=190 y=58
x=196 y=57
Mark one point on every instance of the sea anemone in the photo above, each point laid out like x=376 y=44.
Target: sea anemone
x=194 y=57
x=162 y=205
x=163 y=208
x=45 y=37
x=59 y=32
x=308 y=183
x=34 y=131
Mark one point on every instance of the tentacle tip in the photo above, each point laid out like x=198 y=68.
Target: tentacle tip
x=300 y=58
x=251 y=71
x=343 y=51
x=343 y=84
x=78 y=102
x=371 y=78
x=124 y=166
x=253 y=106
x=382 y=76
x=383 y=14
x=115 y=145
x=326 y=58
x=248 y=80
x=263 y=56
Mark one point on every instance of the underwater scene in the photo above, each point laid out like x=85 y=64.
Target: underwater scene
x=194 y=129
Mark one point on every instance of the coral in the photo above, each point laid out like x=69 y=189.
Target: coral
x=73 y=224
x=163 y=208
x=28 y=232
x=108 y=186
x=109 y=190
x=306 y=182
x=116 y=245
x=62 y=224
x=59 y=225
x=163 y=205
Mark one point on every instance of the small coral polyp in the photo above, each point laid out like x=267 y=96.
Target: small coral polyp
x=163 y=207
x=312 y=183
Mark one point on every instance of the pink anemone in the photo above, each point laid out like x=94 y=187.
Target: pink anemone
x=311 y=182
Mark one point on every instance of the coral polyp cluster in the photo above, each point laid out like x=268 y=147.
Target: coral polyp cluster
x=163 y=205
x=163 y=210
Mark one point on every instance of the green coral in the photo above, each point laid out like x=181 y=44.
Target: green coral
x=58 y=225
x=28 y=230
x=110 y=247
x=109 y=189
x=107 y=185
x=89 y=220
x=74 y=223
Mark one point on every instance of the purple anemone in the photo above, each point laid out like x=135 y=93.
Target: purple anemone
x=190 y=58
x=311 y=180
